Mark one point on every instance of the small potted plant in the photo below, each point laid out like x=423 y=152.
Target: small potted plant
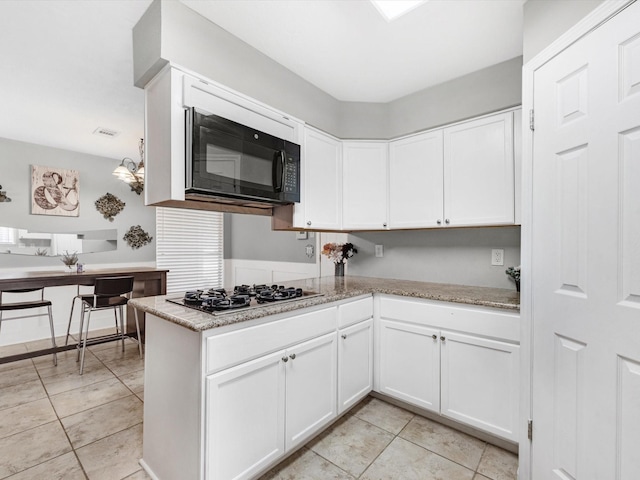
x=338 y=253
x=514 y=272
x=69 y=259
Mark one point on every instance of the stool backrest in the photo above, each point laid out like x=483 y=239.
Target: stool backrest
x=21 y=290
x=113 y=286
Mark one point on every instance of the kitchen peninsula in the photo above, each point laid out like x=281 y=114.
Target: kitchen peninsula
x=230 y=395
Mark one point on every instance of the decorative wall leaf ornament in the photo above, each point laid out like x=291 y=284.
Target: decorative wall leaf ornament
x=136 y=237
x=109 y=206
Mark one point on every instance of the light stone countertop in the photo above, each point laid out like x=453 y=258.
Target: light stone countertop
x=332 y=289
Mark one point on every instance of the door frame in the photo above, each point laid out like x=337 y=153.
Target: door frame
x=594 y=19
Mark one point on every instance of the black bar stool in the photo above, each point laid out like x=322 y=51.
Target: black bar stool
x=108 y=292
x=82 y=283
x=7 y=307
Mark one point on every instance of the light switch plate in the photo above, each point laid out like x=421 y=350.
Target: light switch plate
x=379 y=251
x=301 y=235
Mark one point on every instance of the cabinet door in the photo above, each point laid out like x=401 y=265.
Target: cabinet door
x=322 y=189
x=244 y=418
x=355 y=363
x=480 y=383
x=311 y=387
x=478 y=172
x=364 y=189
x=416 y=181
x=410 y=363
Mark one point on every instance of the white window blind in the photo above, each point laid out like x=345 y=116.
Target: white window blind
x=189 y=243
x=7 y=235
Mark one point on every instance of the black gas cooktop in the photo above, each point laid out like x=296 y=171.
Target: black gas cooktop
x=217 y=301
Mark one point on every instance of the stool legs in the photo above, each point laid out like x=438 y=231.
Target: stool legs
x=121 y=324
x=84 y=339
x=73 y=302
x=53 y=336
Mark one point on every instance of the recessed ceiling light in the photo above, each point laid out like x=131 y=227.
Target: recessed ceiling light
x=392 y=9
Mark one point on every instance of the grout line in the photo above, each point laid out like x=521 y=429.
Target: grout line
x=61 y=426
x=480 y=461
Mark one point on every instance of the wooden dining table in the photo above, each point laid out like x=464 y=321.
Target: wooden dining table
x=147 y=281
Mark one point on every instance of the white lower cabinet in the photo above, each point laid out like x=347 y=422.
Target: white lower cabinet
x=410 y=363
x=259 y=410
x=230 y=402
x=479 y=383
x=245 y=411
x=464 y=376
x=355 y=364
x=310 y=388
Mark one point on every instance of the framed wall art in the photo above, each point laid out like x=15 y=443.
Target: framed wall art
x=55 y=191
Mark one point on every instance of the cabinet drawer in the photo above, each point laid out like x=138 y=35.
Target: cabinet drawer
x=354 y=312
x=239 y=346
x=485 y=321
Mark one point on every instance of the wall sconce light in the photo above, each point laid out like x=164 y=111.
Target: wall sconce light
x=3 y=196
x=131 y=172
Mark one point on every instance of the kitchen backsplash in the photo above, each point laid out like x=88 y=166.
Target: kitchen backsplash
x=447 y=255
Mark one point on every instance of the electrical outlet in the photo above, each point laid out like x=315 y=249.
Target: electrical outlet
x=497 y=256
x=379 y=251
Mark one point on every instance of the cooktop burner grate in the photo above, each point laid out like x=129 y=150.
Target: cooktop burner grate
x=216 y=300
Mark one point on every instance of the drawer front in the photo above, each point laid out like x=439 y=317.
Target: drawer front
x=354 y=312
x=485 y=321
x=235 y=347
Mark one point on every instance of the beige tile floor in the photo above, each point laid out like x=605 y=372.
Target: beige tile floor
x=56 y=424
x=379 y=441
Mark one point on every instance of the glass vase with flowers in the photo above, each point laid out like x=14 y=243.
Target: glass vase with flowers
x=338 y=253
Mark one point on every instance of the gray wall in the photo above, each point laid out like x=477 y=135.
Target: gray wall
x=251 y=238
x=171 y=32
x=96 y=179
x=546 y=20
x=193 y=42
x=493 y=88
x=460 y=256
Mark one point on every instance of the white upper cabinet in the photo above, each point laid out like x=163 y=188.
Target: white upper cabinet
x=322 y=187
x=479 y=172
x=214 y=99
x=364 y=190
x=466 y=174
x=416 y=181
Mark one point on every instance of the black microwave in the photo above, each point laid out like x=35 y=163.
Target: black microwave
x=231 y=161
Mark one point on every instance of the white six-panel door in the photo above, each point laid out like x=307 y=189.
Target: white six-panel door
x=586 y=257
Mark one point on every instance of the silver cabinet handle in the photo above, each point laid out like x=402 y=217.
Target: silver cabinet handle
x=442 y=338
x=446 y=220
x=292 y=356
x=344 y=335
x=439 y=222
x=384 y=225
x=285 y=359
x=309 y=223
x=434 y=336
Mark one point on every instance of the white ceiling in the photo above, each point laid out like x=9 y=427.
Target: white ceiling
x=66 y=65
x=347 y=49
